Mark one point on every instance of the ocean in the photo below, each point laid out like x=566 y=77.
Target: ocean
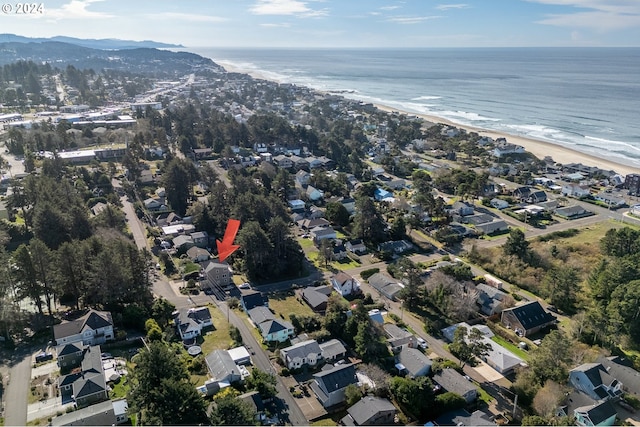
x=586 y=99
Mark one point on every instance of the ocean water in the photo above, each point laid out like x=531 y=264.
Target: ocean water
x=587 y=99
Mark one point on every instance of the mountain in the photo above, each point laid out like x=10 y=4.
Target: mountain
x=139 y=59
x=104 y=44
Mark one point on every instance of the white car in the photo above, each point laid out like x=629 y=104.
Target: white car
x=421 y=342
x=245 y=285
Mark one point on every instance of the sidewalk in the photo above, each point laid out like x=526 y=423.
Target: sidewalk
x=46 y=408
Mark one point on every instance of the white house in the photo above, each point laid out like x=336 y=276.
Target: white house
x=191 y=321
x=313 y=193
x=345 y=284
x=499 y=203
x=303 y=353
x=575 y=190
x=95 y=327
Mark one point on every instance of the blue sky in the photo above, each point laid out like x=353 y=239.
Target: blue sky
x=339 y=23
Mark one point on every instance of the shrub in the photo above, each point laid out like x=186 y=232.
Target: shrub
x=285 y=372
x=368 y=273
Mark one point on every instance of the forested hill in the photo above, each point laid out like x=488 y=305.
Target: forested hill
x=141 y=60
x=110 y=44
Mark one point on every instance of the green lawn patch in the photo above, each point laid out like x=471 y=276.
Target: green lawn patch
x=305 y=243
x=484 y=396
x=345 y=264
x=286 y=304
x=218 y=337
x=511 y=347
x=120 y=389
x=324 y=422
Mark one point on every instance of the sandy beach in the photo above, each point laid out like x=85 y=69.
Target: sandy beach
x=538 y=148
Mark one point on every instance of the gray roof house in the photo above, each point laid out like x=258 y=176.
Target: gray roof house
x=95 y=327
x=329 y=384
x=304 y=353
x=69 y=355
x=252 y=299
x=460 y=417
x=527 y=319
x=595 y=381
x=191 y=321
x=490 y=299
x=316 y=297
x=107 y=413
x=493 y=226
x=196 y=254
x=333 y=350
x=182 y=242
x=222 y=367
x=451 y=380
x=587 y=411
x=86 y=385
x=621 y=368
x=397 y=337
x=413 y=362
x=370 y=411
x=386 y=285
x=276 y=330
x=260 y=314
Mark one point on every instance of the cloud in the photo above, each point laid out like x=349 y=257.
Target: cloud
x=189 y=17
x=273 y=25
x=286 y=7
x=389 y=7
x=76 y=9
x=452 y=6
x=410 y=20
x=598 y=15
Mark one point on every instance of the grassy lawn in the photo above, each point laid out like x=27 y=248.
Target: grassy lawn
x=305 y=243
x=345 y=263
x=120 y=389
x=286 y=304
x=484 y=396
x=340 y=235
x=511 y=347
x=324 y=422
x=217 y=338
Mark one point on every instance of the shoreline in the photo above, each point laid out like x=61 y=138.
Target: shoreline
x=538 y=148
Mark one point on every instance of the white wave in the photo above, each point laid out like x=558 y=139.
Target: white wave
x=464 y=115
x=425 y=98
x=610 y=142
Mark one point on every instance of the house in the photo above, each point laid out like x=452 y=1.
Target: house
x=610 y=200
x=329 y=384
x=537 y=197
x=177 y=229
x=167 y=218
x=344 y=284
x=108 y=413
x=370 y=411
x=153 y=204
x=69 y=355
x=380 y=194
x=222 y=367
x=283 y=161
x=490 y=299
x=315 y=212
x=397 y=337
x=95 y=327
x=218 y=274
x=85 y=385
x=276 y=330
x=356 y=246
x=316 y=297
x=313 y=193
x=196 y=254
x=254 y=400
x=452 y=381
x=253 y=299
x=191 y=321
x=200 y=239
x=493 y=227
x=595 y=381
x=632 y=183
x=376 y=316
x=412 y=362
x=305 y=353
x=182 y=243
x=499 y=203
x=622 y=369
x=396 y=246
x=240 y=355
x=460 y=417
x=572 y=212
x=309 y=224
x=386 y=285
x=296 y=205
x=98 y=208
x=575 y=190
x=527 y=319
x=333 y=350
x=338 y=252
x=505 y=149
x=462 y=209
x=349 y=204
x=303 y=177
x=314 y=162
x=587 y=411
x=260 y=314
x=319 y=234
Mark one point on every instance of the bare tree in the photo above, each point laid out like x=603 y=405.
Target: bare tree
x=548 y=398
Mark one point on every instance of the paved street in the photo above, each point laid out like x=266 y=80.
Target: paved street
x=18 y=387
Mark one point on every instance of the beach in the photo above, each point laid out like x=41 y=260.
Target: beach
x=538 y=148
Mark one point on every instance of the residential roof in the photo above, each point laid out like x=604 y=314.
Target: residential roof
x=68 y=349
x=190 y=319
x=182 y=240
x=531 y=315
x=337 y=377
x=260 y=314
x=301 y=350
x=342 y=277
x=461 y=417
x=626 y=374
x=332 y=348
x=316 y=296
x=451 y=380
x=221 y=365
x=273 y=326
x=99 y=414
x=92 y=320
x=253 y=398
x=394 y=331
x=239 y=353
x=253 y=299
x=196 y=252
x=598 y=412
x=368 y=407
x=413 y=360
x=599 y=377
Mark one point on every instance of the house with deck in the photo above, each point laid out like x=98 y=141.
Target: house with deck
x=93 y=328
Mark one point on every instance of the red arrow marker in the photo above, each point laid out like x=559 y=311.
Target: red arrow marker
x=226 y=247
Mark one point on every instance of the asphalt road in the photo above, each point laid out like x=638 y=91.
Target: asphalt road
x=18 y=388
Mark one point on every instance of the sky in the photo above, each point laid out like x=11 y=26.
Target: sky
x=336 y=23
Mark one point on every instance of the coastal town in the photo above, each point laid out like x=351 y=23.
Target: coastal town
x=389 y=270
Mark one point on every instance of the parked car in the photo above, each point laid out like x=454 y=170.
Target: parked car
x=43 y=357
x=421 y=343
x=245 y=285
